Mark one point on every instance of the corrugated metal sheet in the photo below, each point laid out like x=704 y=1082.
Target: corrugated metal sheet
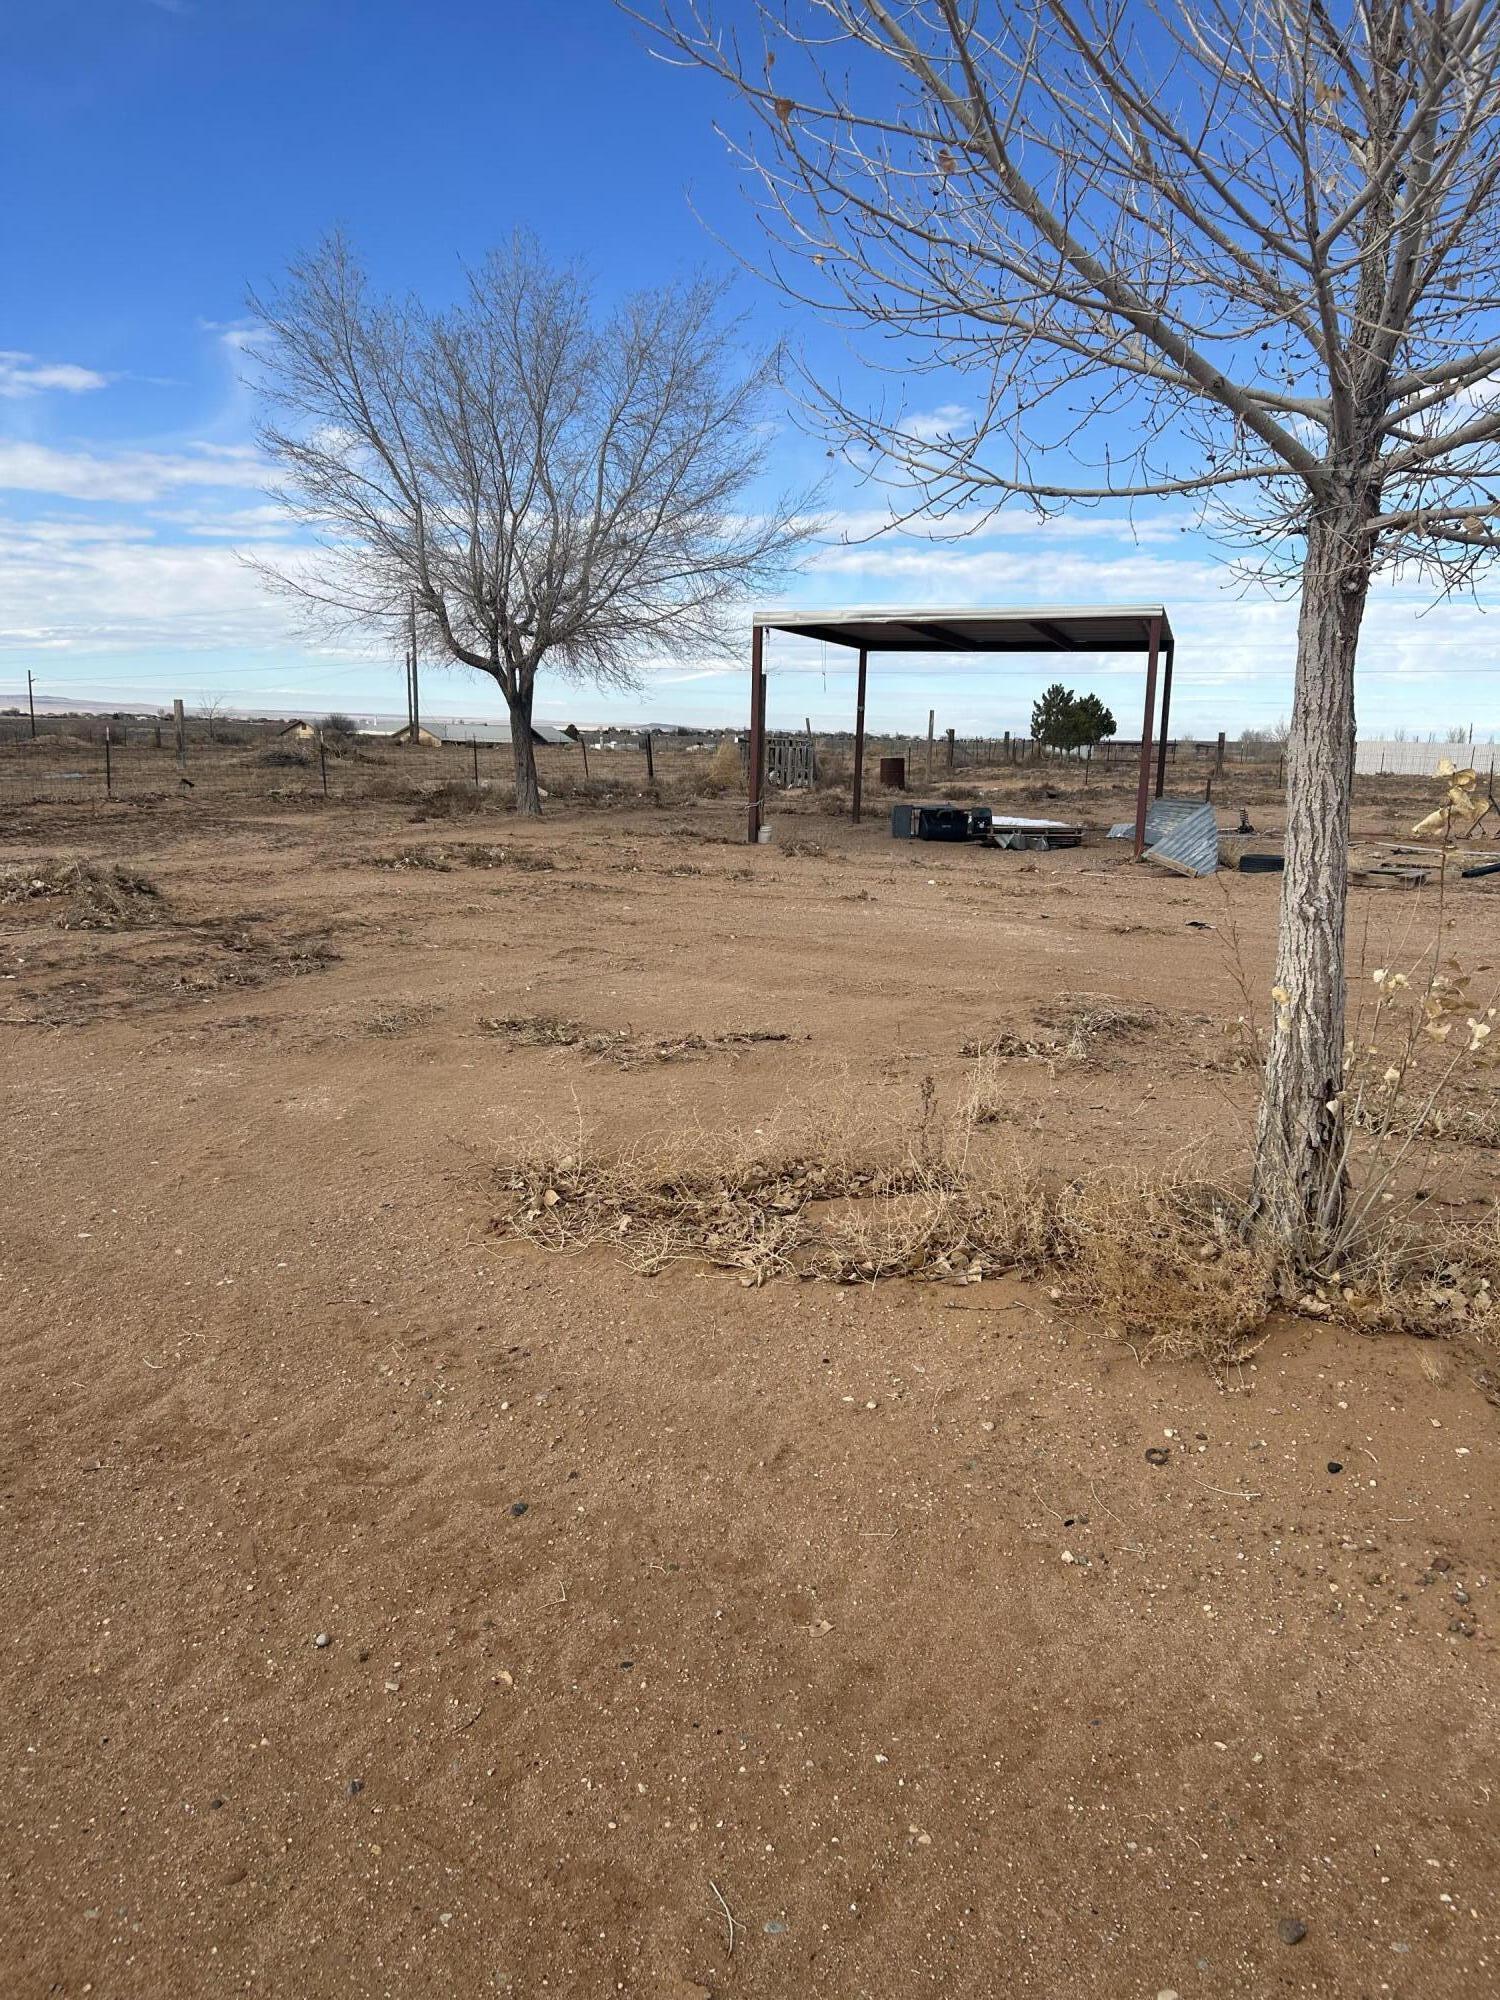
x=1191 y=845
x=1161 y=816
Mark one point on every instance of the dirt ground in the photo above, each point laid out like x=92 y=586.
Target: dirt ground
x=390 y=1609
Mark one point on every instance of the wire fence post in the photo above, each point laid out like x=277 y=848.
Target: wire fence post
x=109 y=777
x=474 y=746
x=323 y=762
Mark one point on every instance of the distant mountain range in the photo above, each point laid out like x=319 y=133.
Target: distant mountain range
x=371 y=719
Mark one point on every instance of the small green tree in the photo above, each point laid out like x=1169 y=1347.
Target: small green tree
x=1063 y=720
x=1052 y=718
x=1094 y=721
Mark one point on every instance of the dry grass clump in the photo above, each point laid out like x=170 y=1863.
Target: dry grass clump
x=540 y=1031
x=725 y=772
x=1163 y=1261
x=1069 y=1030
x=1419 y=1271
x=400 y=1018
x=1086 y=1019
x=452 y=799
x=618 y=1045
x=95 y=896
x=1158 y=1261
x=468 y=854
x=475 y=854
x=432 y=858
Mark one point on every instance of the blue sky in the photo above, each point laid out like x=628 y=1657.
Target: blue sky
x=170 y=153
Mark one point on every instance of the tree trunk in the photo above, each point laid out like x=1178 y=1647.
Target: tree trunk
x=528 y=796
x=1299 y=1179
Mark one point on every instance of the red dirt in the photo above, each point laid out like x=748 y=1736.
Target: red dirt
x=787 y=1619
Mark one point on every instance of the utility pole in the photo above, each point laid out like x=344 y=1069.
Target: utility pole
x=416 y=712
x=31 y=700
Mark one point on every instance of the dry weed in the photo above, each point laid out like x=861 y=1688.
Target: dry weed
x=469 y=854
x=414 y=857
x=95 y=896
x=400 y=1019
x=725 y=771
x=619 y=1045
x=1158 y=1262
x=1069 y=1030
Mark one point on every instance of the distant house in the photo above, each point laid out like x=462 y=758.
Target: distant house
x=419 y=734
x=298 y=730
x=461 y=733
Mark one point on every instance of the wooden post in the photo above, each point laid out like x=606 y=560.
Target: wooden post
x=474 y=746
x=931 y=718
x=812 y=752
x=179 y=716
x=158 y=732
x=31 y=701
x=1143 y=784
x=950 y=749
x=1219 y=757
x=585 y=749
x=1009 y=757
x=109 y=782
x=650 y=759
x=323 y=762
x=859 y=737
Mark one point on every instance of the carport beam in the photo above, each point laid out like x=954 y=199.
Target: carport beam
x=1166 y=710
x=757 y=757
x=859 y=738
x=1143 y=784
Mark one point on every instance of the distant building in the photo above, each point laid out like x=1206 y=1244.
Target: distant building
x=298 y=730
x=457 y=731
x=421 y=735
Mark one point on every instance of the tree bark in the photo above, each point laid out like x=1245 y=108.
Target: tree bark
x=528 y=795
x=1299 y=1181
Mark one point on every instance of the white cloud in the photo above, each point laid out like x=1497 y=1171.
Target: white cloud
x=266 y=523
x=87 y=589
x=23 y=375
x=946 y=421
x=126 y=476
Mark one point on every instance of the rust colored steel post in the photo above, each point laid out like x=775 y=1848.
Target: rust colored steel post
x=859 y=739
x=757 y=770
x=1166 y=710
x=1143 y=785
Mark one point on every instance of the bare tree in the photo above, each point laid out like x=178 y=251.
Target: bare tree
x=211 y=707
x=552 y=489
x=1244 y=250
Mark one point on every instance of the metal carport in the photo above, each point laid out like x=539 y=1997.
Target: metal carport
x=1070 y=628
